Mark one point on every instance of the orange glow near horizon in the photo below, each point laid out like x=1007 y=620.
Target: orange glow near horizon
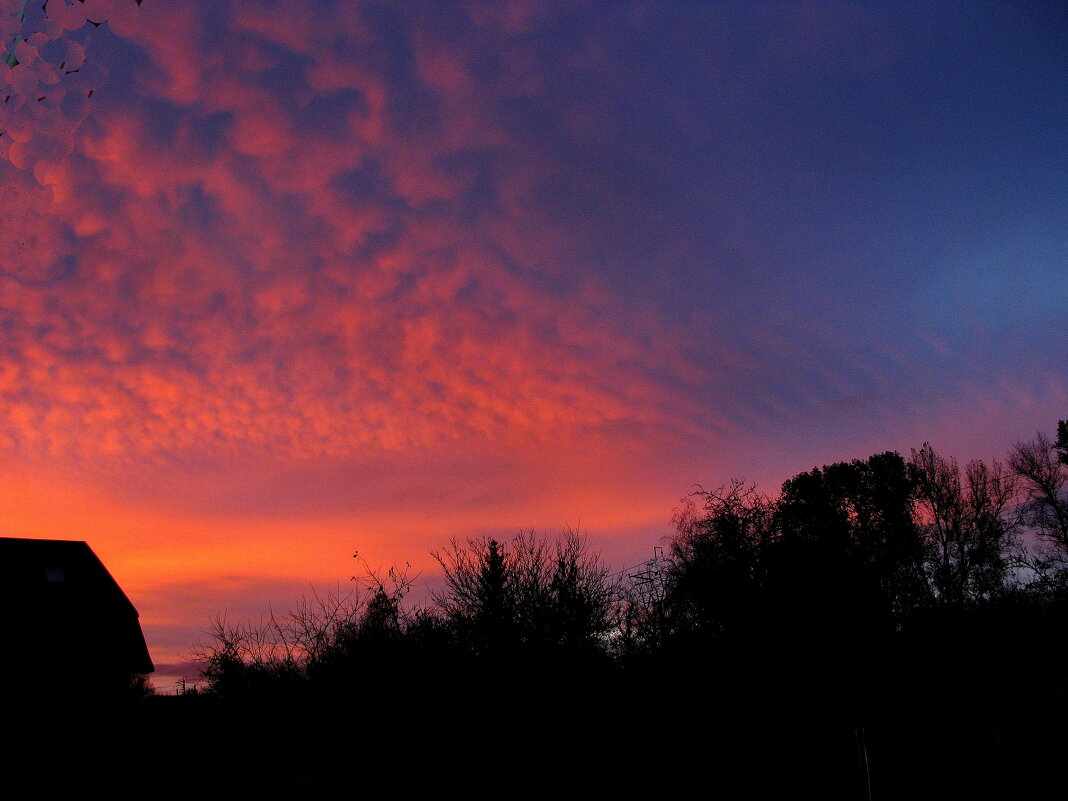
x=183 y=561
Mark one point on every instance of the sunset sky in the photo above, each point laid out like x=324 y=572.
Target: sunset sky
x=312 y=277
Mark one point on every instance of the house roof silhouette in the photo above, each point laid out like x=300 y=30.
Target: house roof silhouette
x=66 y=615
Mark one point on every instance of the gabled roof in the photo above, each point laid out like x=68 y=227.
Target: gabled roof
x=67 y=608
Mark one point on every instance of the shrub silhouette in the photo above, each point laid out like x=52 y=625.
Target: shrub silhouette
x=533 y=600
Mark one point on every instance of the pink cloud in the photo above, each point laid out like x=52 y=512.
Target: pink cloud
x=267 y=331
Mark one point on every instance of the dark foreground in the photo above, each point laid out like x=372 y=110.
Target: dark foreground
x=497 y=738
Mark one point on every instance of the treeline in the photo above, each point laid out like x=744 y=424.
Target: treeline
x=907 y=599
x=852 y=556
x=523 y=602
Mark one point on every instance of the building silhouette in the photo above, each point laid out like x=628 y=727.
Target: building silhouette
x=69 y=631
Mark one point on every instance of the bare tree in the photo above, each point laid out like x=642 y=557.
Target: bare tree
x=1043 y=471
x=718 y=554
x=968 y=531
x=324 y=635
x=248 y=657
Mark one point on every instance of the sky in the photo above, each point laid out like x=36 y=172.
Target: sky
x=281 y=281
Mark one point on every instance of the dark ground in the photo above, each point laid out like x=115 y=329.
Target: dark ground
x=653 y=735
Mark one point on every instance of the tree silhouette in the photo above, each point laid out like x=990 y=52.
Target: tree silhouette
x=1062 y=441
x=480 y=600
x=1043 y=471
x=715 y=577
x=331 y=640
x=966 y=526
x=532 y=596
x=582 y=598
x=851 y=555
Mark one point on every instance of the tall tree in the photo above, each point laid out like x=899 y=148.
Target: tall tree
x=850 y=544
x=967 y=528
x=1042 y=467
x=715 y=575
